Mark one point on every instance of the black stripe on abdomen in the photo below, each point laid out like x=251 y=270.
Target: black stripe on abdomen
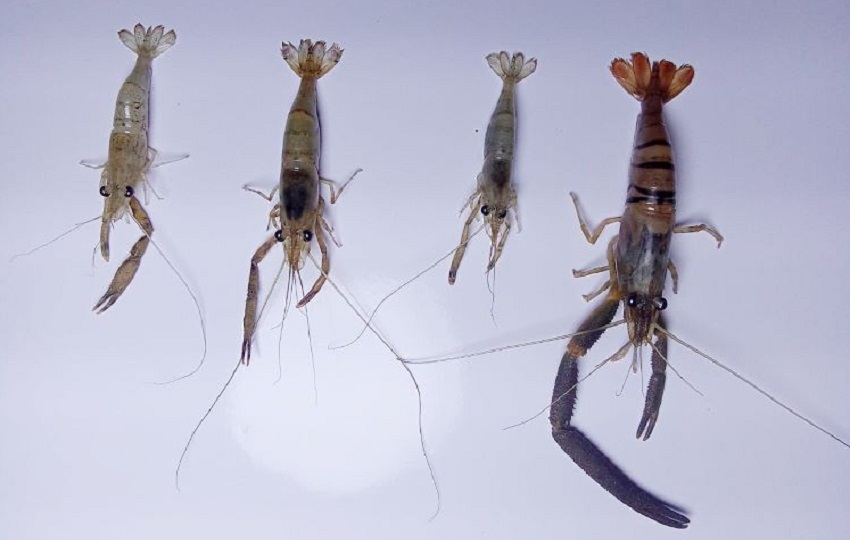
x=651 y=199
x=650 y=195
x=664 y=165
x=653 y=142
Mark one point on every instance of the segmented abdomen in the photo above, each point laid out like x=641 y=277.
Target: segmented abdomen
x=643 y=245
x=301 y=138
x=131 y=107
x=652 y=173
x=501 y=131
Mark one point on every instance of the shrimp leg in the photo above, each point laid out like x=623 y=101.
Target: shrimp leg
x=464 y=241
x=249 y=322
x=674 y=275
x=497 y=252
x=335 y=195
x=583 y=451
x=580 y=448
x=274 y=213
x=125 y=273
x=702 y=227
x=592 y=237
x=326 y=263
x=655 y=389
x=259 y=192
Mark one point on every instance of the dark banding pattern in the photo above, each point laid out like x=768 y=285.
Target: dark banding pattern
x=653 y=142
x=651 y=195
x=666 y=165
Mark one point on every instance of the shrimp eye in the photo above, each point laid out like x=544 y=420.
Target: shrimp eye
x=502 y=214
x=485 y=209
x=278 y=235
x=308 y=235
x=128 y=192
x=103 y=191
x=632 y=300
x=661 y=303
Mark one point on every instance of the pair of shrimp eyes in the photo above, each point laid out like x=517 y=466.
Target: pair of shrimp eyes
x=128 y=192
x=307 y=235
x=501 y=214
x=660 y=303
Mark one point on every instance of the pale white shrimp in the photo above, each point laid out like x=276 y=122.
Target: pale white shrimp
x=130 y=155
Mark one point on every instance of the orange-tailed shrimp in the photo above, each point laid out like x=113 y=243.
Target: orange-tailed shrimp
x=637 y=265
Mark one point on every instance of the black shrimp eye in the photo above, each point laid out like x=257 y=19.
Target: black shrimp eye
x=502 y=214
x=661 y=303
x=128 y=192
x=278 y=235
x=103 y=191
x=485 y=209
x=307 y=235
x=631 y=301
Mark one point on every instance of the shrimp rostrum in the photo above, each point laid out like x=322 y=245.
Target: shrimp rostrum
x=638 y=262
x=495 y=197
x=130 y=156
x=298 y=217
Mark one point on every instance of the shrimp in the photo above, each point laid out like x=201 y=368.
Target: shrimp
x=130 y=156
x=299 y=215
x=495 y=195
x=638 y=261
x=637 y=264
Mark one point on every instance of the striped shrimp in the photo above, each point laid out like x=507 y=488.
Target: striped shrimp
x=638 y=261
x=495 y=195
x=299 y=215
x=130 y=156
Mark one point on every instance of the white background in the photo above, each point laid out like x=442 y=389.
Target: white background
x=89 y=446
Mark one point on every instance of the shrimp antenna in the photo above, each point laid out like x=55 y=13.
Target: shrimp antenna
x=756 y=387
x=676 y=371
x=438 y=359
x=69 y=231
x=287 y=302
x=409 y=373
x=201 y=421
x=402 y=286
x=197 y=308
x=309 y=341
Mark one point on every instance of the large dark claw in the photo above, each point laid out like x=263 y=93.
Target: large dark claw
x=598 y=466
x=655 y=390
x=581 y=450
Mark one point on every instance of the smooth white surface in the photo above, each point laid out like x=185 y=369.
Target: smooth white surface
x=89 y=446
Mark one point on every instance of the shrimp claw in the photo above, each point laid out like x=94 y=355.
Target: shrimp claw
x=125 y=273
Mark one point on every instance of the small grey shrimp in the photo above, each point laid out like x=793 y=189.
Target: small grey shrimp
x=495 y=195
x=130 y=155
